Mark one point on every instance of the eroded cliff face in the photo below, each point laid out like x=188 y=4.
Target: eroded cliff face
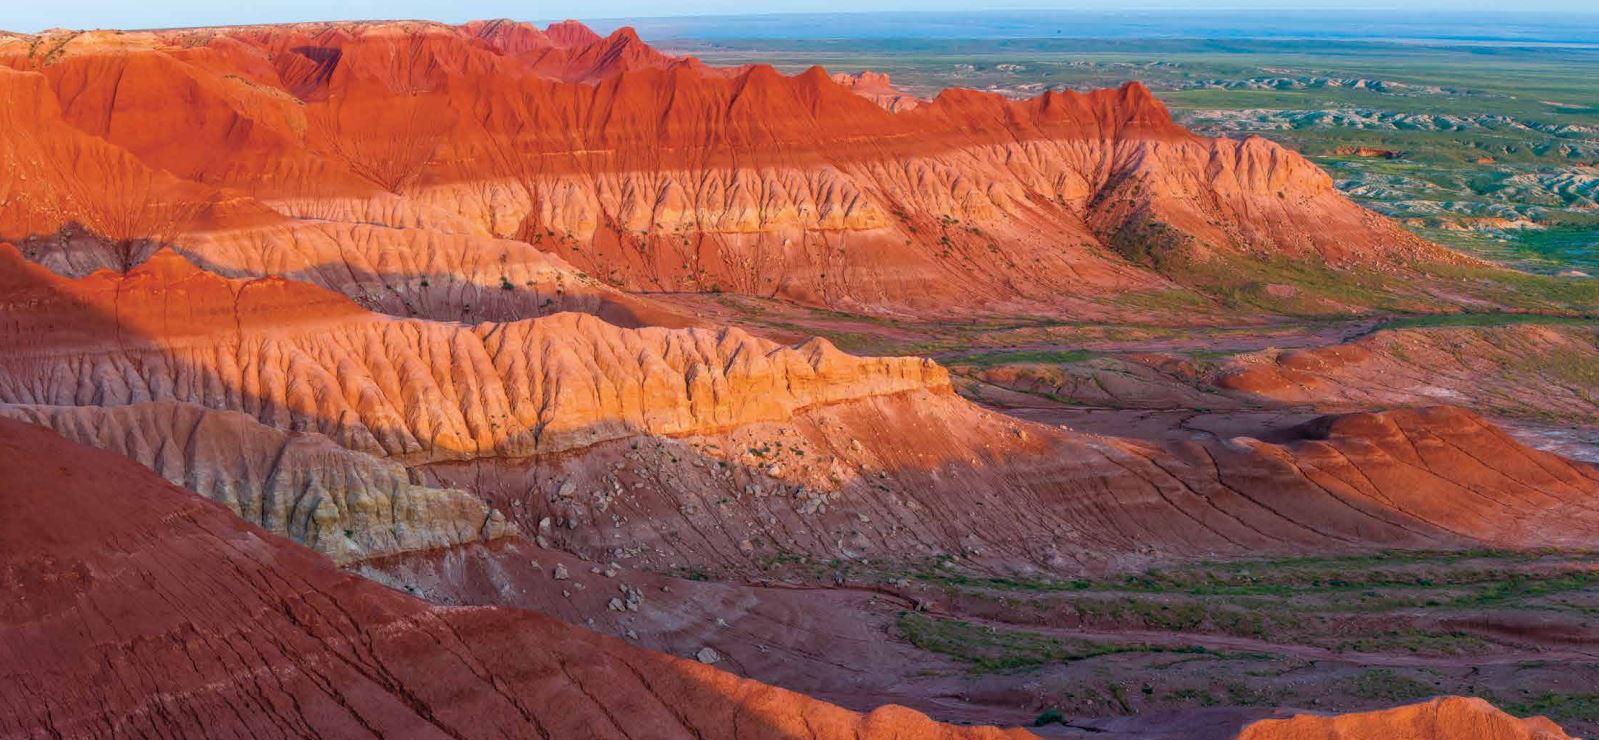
x=327 y=402
x=297 y=357
x=649 y=172
x=345 y=504
x=914 y=478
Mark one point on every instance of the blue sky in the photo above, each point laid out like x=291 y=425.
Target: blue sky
x=33 y=15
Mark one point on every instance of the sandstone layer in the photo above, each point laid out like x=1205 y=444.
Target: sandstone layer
x=300 y=358
x=297 y=408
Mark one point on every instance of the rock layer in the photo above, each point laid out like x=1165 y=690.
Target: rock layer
x=917 y=477
x=880 y=447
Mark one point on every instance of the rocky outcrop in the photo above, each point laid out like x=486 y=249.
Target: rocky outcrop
x=881 y=438
x=296 y=408
x=1446 y=718
x=142 y=609
x=424 y=273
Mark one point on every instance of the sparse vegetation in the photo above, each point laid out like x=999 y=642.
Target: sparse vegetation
x=992 y=649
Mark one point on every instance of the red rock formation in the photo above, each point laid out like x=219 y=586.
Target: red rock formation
x=465 y=179
x=1447 y=718
x=295 y=357
x=139 y=608
x=652 y=172
x=56 y=175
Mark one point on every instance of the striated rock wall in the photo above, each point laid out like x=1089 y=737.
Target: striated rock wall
x=654 y=173
x=299 y=358
x=913 y=477
x=881 y=438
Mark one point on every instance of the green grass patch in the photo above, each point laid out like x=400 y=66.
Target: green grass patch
x=1416 y=642
x=1291 y=576
x=989 y=650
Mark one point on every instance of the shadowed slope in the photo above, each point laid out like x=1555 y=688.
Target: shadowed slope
x=1516 y=369
x=143 y=609
x=917 y=477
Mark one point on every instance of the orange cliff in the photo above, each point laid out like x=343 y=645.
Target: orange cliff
x=299 y=357
x=651 y=172
x=878 y=88
x=298 y=409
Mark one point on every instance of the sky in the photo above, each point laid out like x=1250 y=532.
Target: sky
x=35 y=15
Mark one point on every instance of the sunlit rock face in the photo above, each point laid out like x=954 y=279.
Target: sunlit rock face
x=622 y=166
